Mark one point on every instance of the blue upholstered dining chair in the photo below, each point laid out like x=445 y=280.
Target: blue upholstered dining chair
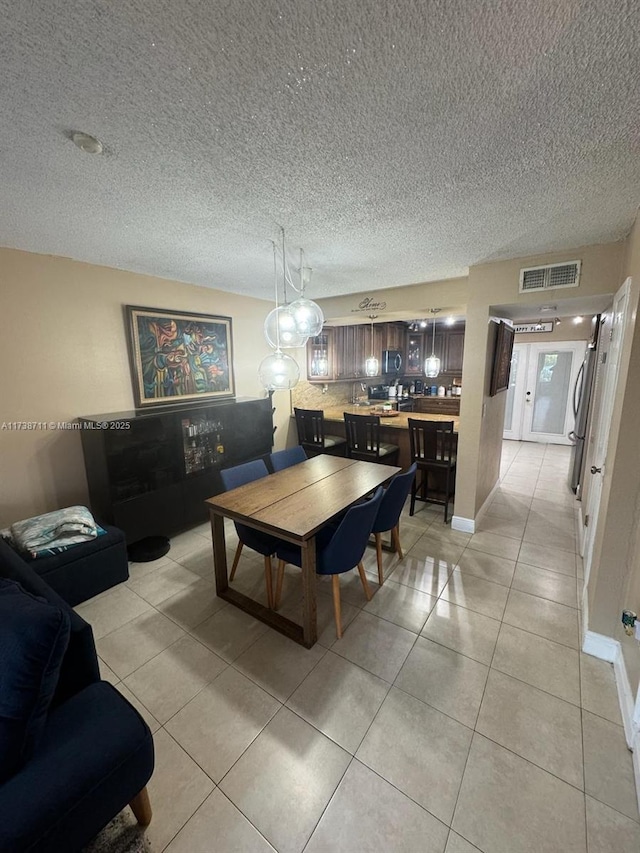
x=388 y=516
x=286 y=458
x=338 y=549
x=264 y=544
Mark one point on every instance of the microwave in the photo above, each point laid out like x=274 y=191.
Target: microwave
x=391 y=361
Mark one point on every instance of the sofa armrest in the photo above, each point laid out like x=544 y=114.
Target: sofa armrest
x=95 y=756
x=80 y=663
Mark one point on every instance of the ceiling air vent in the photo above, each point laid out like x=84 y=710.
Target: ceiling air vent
x=550 y=276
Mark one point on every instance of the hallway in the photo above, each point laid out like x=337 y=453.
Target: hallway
x=457 y=713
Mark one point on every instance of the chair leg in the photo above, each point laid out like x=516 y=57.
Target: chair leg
x=268 y=580
x=141 y=807
x=278 y=596
x=446 y=498
x=236 y=560
x=414 y=487
x=335 y=583
x=379 y=557
x=365 y=582
x=395 y=539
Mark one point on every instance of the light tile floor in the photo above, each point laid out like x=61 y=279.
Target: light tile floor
x=457 y=713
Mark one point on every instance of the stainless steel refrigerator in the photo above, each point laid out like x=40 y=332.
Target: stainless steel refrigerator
x=582 y=397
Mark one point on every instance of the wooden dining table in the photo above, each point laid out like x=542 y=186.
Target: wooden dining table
x=293 y=504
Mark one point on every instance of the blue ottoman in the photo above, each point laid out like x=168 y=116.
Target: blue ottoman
x=86 y=569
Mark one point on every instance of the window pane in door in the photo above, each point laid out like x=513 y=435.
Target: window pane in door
x=551 y=392
x=511 y=391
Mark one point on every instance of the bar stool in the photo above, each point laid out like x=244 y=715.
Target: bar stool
x=311 y=434
x=432 y=449
x=363 y=440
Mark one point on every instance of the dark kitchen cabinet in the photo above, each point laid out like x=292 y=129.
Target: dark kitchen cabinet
x=437 y=405
x=340 y=352
x=414 y=354
x=321 y=356
x=453 y=351
x=149 y=472
x=395 y=335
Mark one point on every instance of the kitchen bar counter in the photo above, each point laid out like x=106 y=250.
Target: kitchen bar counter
x=394 y=430
x=336 y=413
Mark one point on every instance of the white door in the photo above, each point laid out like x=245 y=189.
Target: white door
x=551 y=377
x=540 y=396
x=515 y=393
x=601 y=442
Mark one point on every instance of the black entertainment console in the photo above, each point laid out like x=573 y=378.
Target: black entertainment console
x=150 y=471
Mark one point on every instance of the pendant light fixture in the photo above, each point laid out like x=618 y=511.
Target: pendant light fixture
x=281 y=328
x=278 y=371
x=371 y=365
x=432 y=364
x=307 y=315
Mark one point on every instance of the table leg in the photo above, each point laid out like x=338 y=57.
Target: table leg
x=219 y=553
x=309 y=614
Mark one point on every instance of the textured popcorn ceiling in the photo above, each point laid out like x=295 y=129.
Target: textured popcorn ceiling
x=397 y=142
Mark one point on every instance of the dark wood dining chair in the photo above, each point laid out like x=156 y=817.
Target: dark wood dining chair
x=260 y=542
x=433 y=449
x=311 y=434
x=338 y=549
x=363 y=440
x=388 y=517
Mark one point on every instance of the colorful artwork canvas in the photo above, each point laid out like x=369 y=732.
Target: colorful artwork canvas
x=179 y=357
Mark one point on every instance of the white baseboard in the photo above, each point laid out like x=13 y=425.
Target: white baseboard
x=600 y=646
x=470 y=525
x=466 y=525
x=606 y=648
x=626 y=699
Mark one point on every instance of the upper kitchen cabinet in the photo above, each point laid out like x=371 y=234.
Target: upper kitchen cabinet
x=414 y=353
x=340 y=353
x=453 y=350
x=353 y=346
x=321 y=356
x=393 y=335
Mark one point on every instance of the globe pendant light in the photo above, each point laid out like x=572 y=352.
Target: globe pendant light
x=371 y=365
x=281 y=324
x=432 y=364
x=281 y=327
x=278 y=371
x=308 y=315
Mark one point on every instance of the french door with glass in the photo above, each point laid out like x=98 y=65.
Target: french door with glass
x=540 y=395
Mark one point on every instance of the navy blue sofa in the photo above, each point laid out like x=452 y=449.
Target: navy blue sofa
x=95 y=753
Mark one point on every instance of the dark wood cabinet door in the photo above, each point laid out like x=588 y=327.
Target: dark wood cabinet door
x=453 y=351
x=321 y=358
x=414 y=354
x=395 y=336
x=437 y=405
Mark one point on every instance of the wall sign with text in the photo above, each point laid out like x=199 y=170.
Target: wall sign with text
x=533 y=327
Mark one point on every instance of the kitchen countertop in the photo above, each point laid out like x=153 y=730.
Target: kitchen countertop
x=336 y=413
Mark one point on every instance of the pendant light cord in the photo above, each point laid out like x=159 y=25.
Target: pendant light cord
x=275 y=283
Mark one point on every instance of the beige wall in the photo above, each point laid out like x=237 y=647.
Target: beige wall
x=614 y=583
x=65 y=355
x=493 y=284
x=411 y=301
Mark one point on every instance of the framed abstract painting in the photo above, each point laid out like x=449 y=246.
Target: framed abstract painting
x=502 y=359
x=178 y=356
